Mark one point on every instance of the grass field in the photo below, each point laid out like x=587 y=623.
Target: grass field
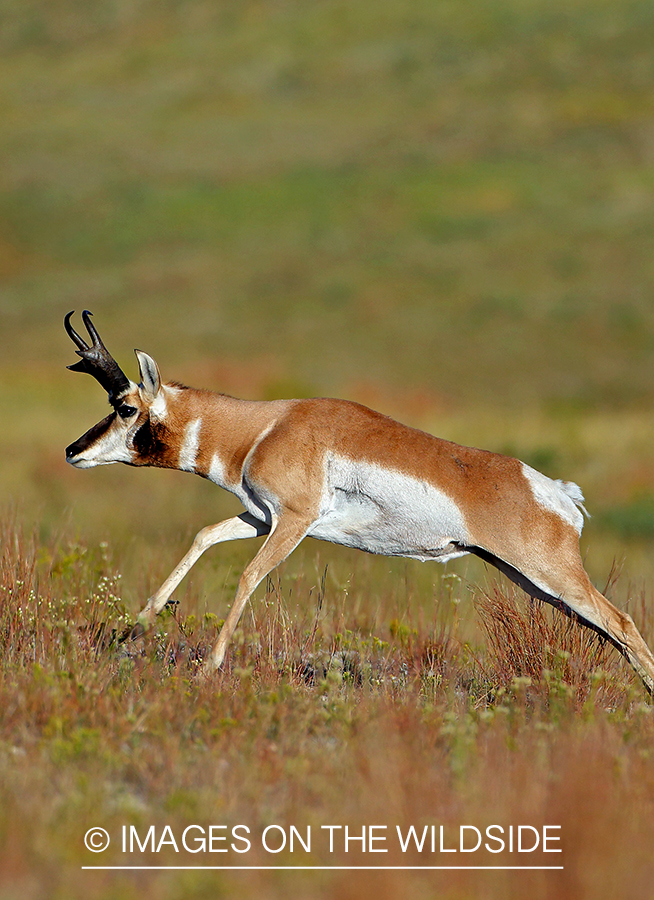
x=441 y=210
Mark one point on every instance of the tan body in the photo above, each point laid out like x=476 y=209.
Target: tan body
x=340 y=472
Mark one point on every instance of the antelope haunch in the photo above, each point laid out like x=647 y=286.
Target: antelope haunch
x=337 y=471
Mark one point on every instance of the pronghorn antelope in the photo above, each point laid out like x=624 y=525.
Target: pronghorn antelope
x=337 y=471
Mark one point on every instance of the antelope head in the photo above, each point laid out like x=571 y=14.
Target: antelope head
x=126 y=434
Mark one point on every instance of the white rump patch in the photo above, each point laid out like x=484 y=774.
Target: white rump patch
x=561 y=497
x=381 y=510
x=189 y=449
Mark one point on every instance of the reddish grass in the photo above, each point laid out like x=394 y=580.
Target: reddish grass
x=308 y=726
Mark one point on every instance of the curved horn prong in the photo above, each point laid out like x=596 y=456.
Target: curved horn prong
x=90 y=327
x=72 y=334
x=97 y=360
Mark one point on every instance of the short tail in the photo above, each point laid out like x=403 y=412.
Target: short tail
x=573 y=491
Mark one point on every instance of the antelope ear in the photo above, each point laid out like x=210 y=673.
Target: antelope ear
x=150 y=377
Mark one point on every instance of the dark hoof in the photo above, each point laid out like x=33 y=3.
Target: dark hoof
x=137 y=632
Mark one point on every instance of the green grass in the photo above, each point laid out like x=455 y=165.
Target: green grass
x=307 y=175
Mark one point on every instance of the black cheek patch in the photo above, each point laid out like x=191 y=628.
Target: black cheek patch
x=91 y=436
x=148 y=441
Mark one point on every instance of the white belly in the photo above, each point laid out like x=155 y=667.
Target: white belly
x=384 y=511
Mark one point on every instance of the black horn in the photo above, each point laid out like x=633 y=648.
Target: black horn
x=96 y=359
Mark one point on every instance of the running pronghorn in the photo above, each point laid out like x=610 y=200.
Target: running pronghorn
x=337 y=471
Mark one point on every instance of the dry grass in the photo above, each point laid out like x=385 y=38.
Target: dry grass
x=546 y=653
x=307 y=726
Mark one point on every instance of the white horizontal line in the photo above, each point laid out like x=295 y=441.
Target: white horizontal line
x=335 y=868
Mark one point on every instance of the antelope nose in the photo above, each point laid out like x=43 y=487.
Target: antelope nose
x=72 y=451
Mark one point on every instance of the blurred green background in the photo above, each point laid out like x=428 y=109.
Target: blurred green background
x=442 y=209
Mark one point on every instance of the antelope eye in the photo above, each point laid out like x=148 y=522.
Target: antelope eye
x=125 y=411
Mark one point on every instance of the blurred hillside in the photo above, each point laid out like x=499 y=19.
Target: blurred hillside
x=442 y=209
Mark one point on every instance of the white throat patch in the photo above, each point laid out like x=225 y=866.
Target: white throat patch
x=217 y=471
x=189 y=449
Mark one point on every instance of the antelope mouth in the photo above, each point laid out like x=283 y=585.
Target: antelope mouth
x=79 y=462
x=82 y=452
x=75 y=456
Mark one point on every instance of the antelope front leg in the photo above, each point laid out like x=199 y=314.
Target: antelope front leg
x=243 y=526
x=282 y=540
